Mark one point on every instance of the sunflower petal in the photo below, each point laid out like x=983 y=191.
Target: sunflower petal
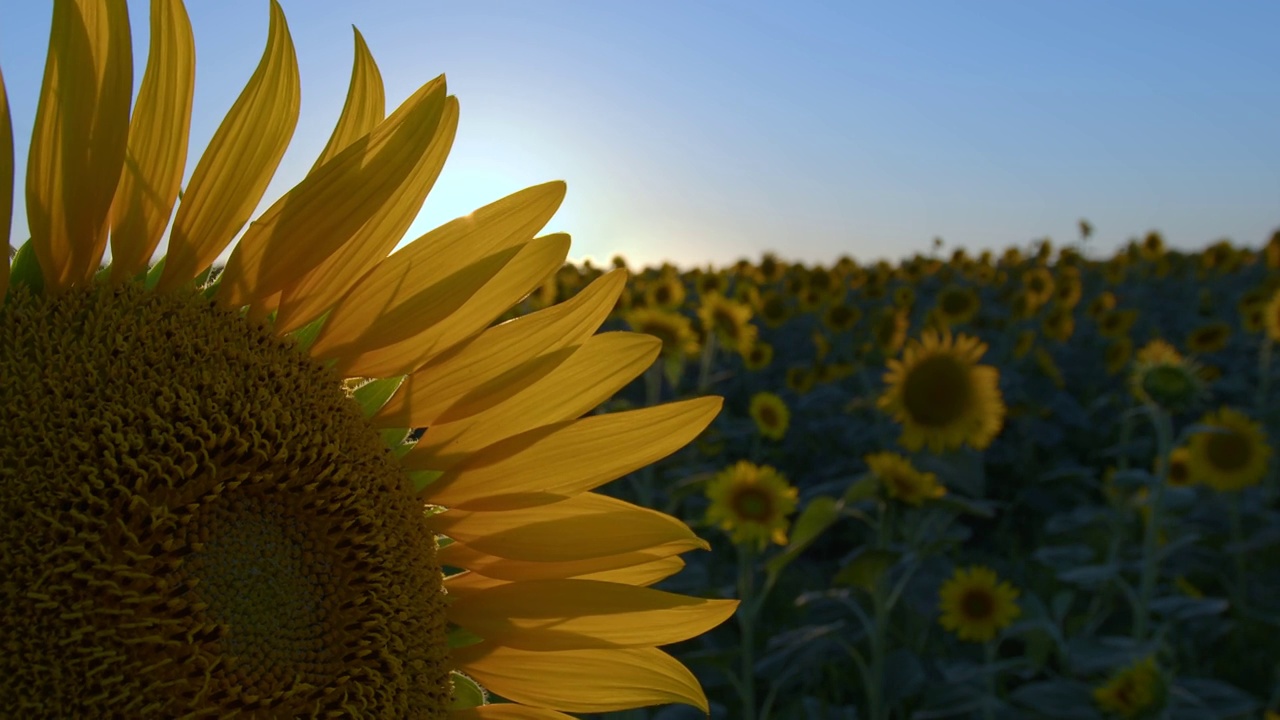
x=373 y=312
x=476 y=374
x=157 y=149
x=365 y=107
x=598 y=368
x=582 y=680
x=566 y=459
x=79 y=138
x=613 y=568
x=237 y=165
x=431 y=336
x=537 y=534
x=507 y=711
x=314 y=219
x=319 y=289
x=6 y=185
x=580 y=614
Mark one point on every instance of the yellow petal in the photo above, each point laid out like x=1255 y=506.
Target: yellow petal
x=507 y=711
x=387 y=297
x=615 y=568
x=469 y=581
x=6 y=185
x=582 y=680
x=434 y=334
x=476 y=374
x=79 y=138
x=546 y=615
x=566 y=459
x=365 y=107
x=641 y=575
x=157 y=154
x=599 y=368
x=538 y=534
x=237 y=165
x=311 y=295
x=314 y=219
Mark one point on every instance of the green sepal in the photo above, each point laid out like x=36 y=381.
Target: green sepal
x=374 y=394
x=394 y=439
x=25 y=270
x=466 y=692
x=420 y=479
x=153 y=275
x=306 y=335
x=462 y=637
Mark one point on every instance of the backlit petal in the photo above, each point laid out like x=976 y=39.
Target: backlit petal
x=636 y=568
x=237 y=165
x=365 y=107
x=563 y=460
x=582 y=680
x=79 y=138
x=507 y=711
x=157 y=154
x=6 y=185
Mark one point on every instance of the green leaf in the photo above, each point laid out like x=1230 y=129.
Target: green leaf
x=964 y=505
x=374 y=394
x=864 y=487
x=866 y=569
x=817 y=516
x=466 y=692
x=26 y=270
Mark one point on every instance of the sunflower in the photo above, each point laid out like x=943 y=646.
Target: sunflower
x=728 y=321
x=665 y=293
x=1059 y=322
x=752 y=503
x=901 y=481
x=711 y=281
x=1067 y=290
x=774 y=309
x=771 y=268
x=771 y=415
x=840 y=317
x=1037 y=283
x=674 y=330
x=1116 y=355
x=904 y=297
x=800 y=379
x=1115 y=270
x=1132 y=692
x=976 y=605
x=210 y=501
x=1232 y=456
x=1162 y=376
x=1100 y=304
x=1271 y=318
x=957 y=304
x=1116 y=323
x=1209 y=338
x=759 y=356
x=942 y=397
x=1152 y=247
x=821 y=346
x=889 y=330
x=1179 y=470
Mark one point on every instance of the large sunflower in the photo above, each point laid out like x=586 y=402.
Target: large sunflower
x=942 y=396
x=211 y=505
x=752 y=503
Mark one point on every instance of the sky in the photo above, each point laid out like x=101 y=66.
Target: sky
x=704 y=131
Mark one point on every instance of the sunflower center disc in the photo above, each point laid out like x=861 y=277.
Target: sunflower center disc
x=1228 y=451
x=194 y=516
x=937 y=391
x=753 y=505
x=977 y=605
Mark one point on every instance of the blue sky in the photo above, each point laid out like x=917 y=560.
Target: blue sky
x=702 y=131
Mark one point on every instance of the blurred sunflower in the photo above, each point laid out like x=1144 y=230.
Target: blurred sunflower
x=1161 y=375
x=1115 y=270
x=1101 y=303
x=1067 y=289
x=957 y=304
x=840 y=317
x=821 y=346
x=665 y=293
x=1037 y=283
x=774 y=309
x=1116 y=323
x=674 y=330
x=901 y=481
x=941 y=396
x=728 y=321
x=710 y=282
x=1132 y=692
x=1152 y=247
x=889 y=331
x=904 y=297
x=1179 y=470
x=238 y=525
x=800 y=379
x=759 y=356
x=976 y=605
x=771 y=268
x=1208 y=338
x=1231 y=457
x=752 y=503
x=771 y=415
x=1058 y=323
x=1271 y=318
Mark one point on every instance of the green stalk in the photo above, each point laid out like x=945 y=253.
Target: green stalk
x=988 y=702
x=1151 y=533
x=1237 y=537
x=747 y=613
x=880 y=621
x=704 y=367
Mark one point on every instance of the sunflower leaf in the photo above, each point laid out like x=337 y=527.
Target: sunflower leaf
x=817 y=516
x=866 y=570
x=466 y=692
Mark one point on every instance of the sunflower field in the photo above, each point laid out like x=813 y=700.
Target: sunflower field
x=1015 y=485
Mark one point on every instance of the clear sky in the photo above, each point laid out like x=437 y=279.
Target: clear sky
x=707 y=130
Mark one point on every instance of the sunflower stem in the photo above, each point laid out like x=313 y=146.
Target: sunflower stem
x=704 y=367
x=880 y=608
x=747 y=613
x=1237 y=538
x=1151 y=532
x=989 y=661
